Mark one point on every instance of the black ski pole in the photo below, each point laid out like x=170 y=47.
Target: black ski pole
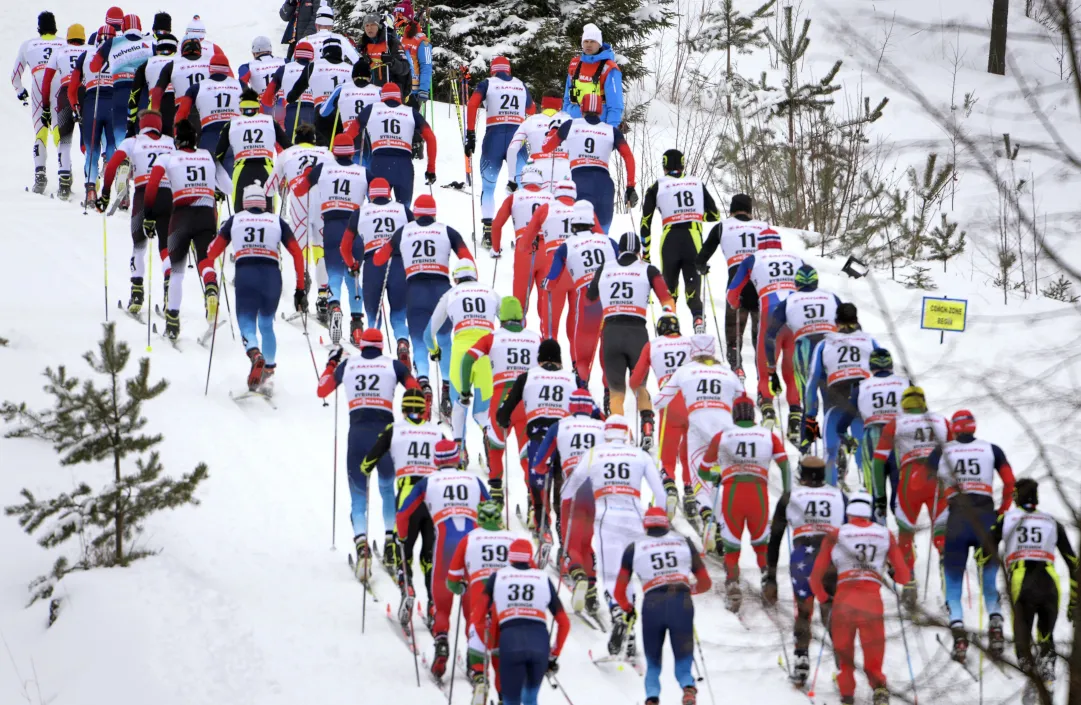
x=457 y=633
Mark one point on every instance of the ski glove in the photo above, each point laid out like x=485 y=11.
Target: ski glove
x=512 y=185
x=775 y=384
x=103 y=202
x=702 y=266
x=335 y=357
x=470 y=141
x=422 y=95
x=631 y=197
x=880 y=510
x=354 y=269
x=300 y=300
x=435 y=354
x=810 y=429
x=150 y=227
x=769 y=590
x=47 y=117
x=553 y=666
x=22 y=95
x=429 y=177
x=219 y=195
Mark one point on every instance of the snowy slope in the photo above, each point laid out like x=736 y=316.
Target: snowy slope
x=245 y=603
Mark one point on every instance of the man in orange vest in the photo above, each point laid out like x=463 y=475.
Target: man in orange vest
x=595 y=71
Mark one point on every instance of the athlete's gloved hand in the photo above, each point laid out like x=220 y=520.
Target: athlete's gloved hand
x=546 y=284
x=512 y=185
x=630 y=617
x=435 y=353
x=466 y=397
x=775 y=384
x=429 y=177
x=631 y=197
x=769 y=589
x=470 y=142
x=879 y=512
x=300 y=300
x=354 y=269
x=219 y=195
x=103 y=201
x=76 y=114
x=702 y=266
x=422 y=96
x=22 y=95
x=150 y=227
x=810 y=429
x=553 y=666
x=47 y=117
x=335 y=356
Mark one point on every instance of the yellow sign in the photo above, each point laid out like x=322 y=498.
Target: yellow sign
x=944 y=314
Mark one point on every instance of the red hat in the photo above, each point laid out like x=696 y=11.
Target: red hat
x=446 y=453
x=371 y=338
x=150 y=121
x=132 y=21
x=379 y=188
x=500 y=64
x=521 y=551
x=391 y=91
x=304 y=50
x=551 y=103
x=963 y=421
x=591 y=104
x=343 y=146
x=743 y=408
x=581 y=402
x=655 y=518
x=104 y=32
x=769 y=239
x=424 y=205
x=219 y=61
x=114 y=17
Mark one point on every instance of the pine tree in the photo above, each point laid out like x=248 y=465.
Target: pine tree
x=942 y=243
x=729 y=30
x=1061 y=290
x=90 y=424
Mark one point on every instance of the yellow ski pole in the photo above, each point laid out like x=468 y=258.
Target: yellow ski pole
x=105 y=260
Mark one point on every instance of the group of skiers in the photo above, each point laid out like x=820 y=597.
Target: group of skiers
x=335 y=131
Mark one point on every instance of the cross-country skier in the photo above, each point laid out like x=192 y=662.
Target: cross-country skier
x=346 y=104
x=810 y=511
x=506 y=103
x=482 y=552
x=616 y=470
x=60 y=67
x=184 y=72
x=256 y=74
x=256 y=235
x=838 y=364
x=123 y=55
x=528 y=142
x=520 y=206
x=879 y=402
x=146 y=77
x=253 y=140
x=452 y=497
x=664 y=562
x=737 y=236
x=411 y=444
x=1031 y=537
x=743 y=453
x=903 y=448
x=589 y=144
x=595 y=72
x=563 y=446
x=302 y=110
x=340 y=189
x=582 y=254
x=624 y=287
x=511 y=351
x=685 y=205
x=374 y=224
x=858 y=551
x=114 y=17
x=425 y=246
x=664 y=355
x=369 y=381
x=35 y=54
x=965 y=469
x=797 y=325
x=143 y=151
x=772 y=271
x=472 y=309
x=194 y=180
x=390 y=128
x=324 y=35
x=216 y=100
x=90 y=94
x=320 y=79
x=516 y=600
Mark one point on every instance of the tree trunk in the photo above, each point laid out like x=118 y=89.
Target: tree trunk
x=119 y=515
x=996 y=56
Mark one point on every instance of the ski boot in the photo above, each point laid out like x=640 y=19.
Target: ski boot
x=403 y=353
x=210 y=299
x=647 y=431
x=334 y=314
x=996 y=642
x=135 y=300
x=356 y=327
x=64 y=190
x=427 y=389
x=690 y=695
x=363 y=565
x=671 y=495
x=699 y=325
x=405 y=609
x=593 y=604
x=390 y=553
x=429 y=615
x=801 y=668
x=795 y=423
x=619 y=631
x=733 y=595
x=769 y=416
x=689 y=505
x=444 y=403
x=480 y=689
x=91 y=196
x=322 y=300
x=909 y=595
x=581 y=586
x=172 y=324
x=266 y=382
x=848 y=700
x=960 y=642
x=881 y=696
x=1046 y=663
x=653 y=701
x=495 y=490
x=486 y=233
x=41 y=180
x=255 y=375
x=442 y=652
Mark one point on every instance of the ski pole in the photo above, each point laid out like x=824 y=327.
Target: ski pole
x=413 y=638
x=980 y=581
x=213 y=339
x=149 y=291
x=930 y=544
x=225 y=291
x=334 y=488
x=556 y=684
x=821 y=649
x=105 y=260
x=904 y=640
x=716 y=325
x=702 y=656
x=93 y=153
x=457 y=633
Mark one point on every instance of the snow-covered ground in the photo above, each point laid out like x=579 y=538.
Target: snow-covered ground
x=247 y=602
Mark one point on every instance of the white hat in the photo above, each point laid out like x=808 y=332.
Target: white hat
x=859 y=505
x=261 y=45
x=582 y=213
x=324 y=15
x=592 y=32
x=566 y=187
x=465 y=270
x=196 y=29
x=616 y=428
x=254 y=196
x=532 y=176
x=703 y=344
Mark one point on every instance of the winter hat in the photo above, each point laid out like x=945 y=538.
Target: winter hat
x=249 y=102
x=76 y=33
x=490 y=515
x=404 y=8
x=672 y=161
x=104 y=32
x=46 y=23
x=195 y=28
x=163 y=22
x=963 y=422
x=703 y=344
x=464 y=271
x=880 y=361
x=150 y=121
x=592 y=32
x=424 y=206
x=184 y=135
x=566 y=188
x=371 y=18
x=551 y=103
x=616 y=428
x=114 y=17
x=913 y=399
x=500 y=64
x=165 y=44
x=769 y=239
x=549 y=352
x=446 y=453
x=581 y=402
x=304 y=50
x=847 y=315
x=220 y=62
x=332 y=50
x=379 y=188
x=743 y=409
x=531 y=176
x=1027 y=493
x=629 y=242
x=859 y=505
x=371 y=338
x=254 y=196
x=806 y=278
x=191 y=47
x=390 y=91
x=582 y=213
x=132 y=22
x=343 y=146
x=741 y=203
x=510 y=309
x=591 y=104
x=324 y=17
x=261 y=45
x=655 y=518
x=521 y=551
x=667 y=324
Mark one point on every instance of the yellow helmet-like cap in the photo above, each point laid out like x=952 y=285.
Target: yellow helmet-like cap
x=76 y=31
